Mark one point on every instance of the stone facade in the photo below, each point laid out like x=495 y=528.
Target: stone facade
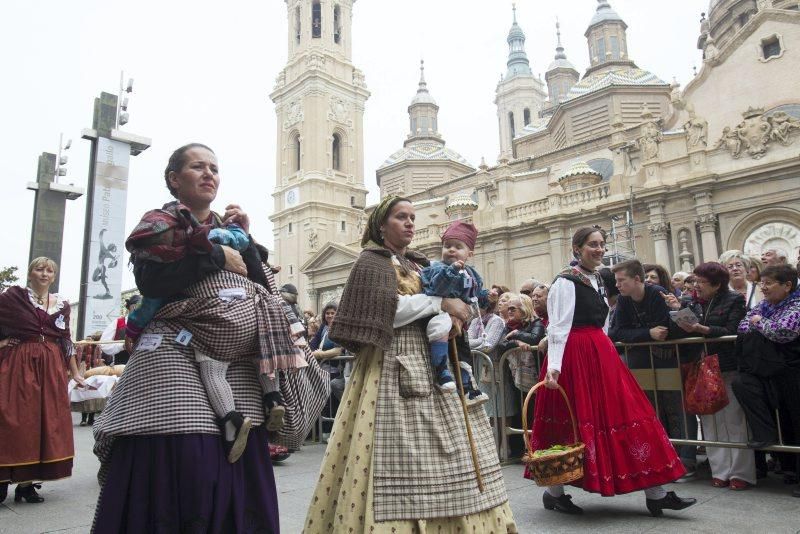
x=678 y=174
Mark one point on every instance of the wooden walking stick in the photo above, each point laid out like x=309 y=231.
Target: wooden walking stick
x=473 y=450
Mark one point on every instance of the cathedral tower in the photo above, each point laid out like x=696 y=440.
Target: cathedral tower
x=561 y=74
x=519 y=94
x=319 y=101
x=607 y=40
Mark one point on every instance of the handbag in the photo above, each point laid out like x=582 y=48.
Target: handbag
x=704 y=388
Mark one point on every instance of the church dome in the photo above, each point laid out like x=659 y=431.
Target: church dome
x=617 y=77
x=604 y=13
x=462 y=202
x=515 y=33
x=423 y=96
x=425 y=151
x=578 y=176
x=561 y=63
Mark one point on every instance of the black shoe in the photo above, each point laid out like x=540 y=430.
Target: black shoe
x=274 y=410
x=90 y=421
x=28 y=493
x=760 y=444
x=235 y=447
x=3 y=491
x=669 y=502
x=561 y=504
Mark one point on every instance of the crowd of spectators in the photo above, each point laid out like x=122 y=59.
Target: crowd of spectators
x=756 y=298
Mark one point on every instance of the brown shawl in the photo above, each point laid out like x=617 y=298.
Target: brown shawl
x=369 y=302
x=20 y=319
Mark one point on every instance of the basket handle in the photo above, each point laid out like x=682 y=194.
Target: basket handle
x=528 y=397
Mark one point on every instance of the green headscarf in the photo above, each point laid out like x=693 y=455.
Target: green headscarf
x=372 y=233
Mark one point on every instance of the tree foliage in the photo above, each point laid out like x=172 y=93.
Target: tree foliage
x=8 y=277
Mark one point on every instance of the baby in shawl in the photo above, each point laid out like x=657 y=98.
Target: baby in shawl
x=453 y=278
x=234 y=425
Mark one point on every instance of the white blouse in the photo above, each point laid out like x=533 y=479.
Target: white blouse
x=58 y=303
x=561 y=311
x=413 y=307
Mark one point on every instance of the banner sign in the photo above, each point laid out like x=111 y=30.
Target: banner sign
x=107 y=235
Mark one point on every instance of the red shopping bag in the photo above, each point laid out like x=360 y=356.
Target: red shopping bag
x=704 y=388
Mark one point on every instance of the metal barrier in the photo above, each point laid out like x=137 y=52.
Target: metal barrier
x=652 y=379
x=318 y=434
x=506 y=431
x=485 y=359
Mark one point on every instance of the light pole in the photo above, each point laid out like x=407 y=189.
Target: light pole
x=49 y=205
x=104 y=231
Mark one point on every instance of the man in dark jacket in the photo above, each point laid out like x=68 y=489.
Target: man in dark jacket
x=642 y=316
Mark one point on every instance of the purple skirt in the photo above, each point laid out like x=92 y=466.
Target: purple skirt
x=184 y=483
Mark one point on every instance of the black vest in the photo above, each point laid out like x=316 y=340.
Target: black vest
x=590 y=307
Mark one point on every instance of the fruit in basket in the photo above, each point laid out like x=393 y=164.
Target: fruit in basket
x=555 y=449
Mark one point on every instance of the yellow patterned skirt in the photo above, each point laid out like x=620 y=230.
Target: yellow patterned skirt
x=343 y=499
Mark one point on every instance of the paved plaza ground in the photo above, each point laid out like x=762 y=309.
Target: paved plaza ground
x=768 y=509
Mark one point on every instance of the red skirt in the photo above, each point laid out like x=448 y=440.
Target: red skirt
x=35 y=418
x=627 y=449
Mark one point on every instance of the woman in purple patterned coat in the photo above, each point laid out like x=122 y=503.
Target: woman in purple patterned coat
x=769 y=361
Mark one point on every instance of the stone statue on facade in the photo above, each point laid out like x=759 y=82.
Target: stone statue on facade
x=730 y=140
x=696 y=130
x=649 y=140
x=757 y=131
x=313 y=240
x=782 y=126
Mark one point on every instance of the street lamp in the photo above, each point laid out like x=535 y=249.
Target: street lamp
x=122 y=100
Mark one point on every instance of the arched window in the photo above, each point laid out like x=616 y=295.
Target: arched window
x=526 y=116
x=316 y=20
x=336 y=152
x=296 y=152
x=511 y=124
x=337 y=24
x=297 y=25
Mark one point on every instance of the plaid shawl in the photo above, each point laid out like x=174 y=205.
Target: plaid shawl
x=169 y=234
x=227 y=328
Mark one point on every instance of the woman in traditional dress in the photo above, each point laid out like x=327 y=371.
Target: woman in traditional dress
x=163 y=465
x=35 y=421
x=627 y=449
x=399 y=459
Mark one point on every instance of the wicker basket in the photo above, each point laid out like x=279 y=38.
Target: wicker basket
x=553 y=469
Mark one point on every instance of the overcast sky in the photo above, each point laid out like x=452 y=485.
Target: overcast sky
x=203 y=71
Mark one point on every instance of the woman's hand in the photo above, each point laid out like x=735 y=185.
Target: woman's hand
x=695 y=328
x=671 y=300
x=9 y=342
x=457 y=308
x=233 y=261
x=755 y=319
x=80 y=381
x=542 y=348
x=235 y=214
x=523 y=346
x=511 y=334
x=551 y=379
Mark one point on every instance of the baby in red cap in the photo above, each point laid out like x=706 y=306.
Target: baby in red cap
x=452 y=278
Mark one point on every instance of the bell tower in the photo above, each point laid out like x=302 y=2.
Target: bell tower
x=319 y=101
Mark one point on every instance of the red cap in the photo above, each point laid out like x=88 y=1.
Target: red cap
x=462 y=231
